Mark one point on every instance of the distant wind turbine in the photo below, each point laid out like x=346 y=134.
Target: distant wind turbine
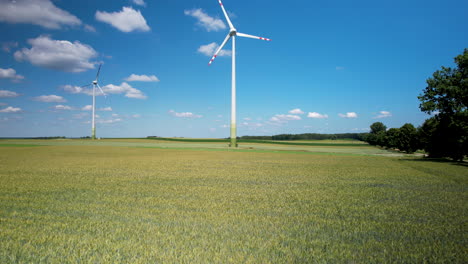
x=95 y=84
x=232 y=34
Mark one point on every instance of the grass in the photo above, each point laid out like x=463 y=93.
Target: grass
x=121 y=204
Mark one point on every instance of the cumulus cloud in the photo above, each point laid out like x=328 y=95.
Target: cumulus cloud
x=316 y=115
x=10 y=109
x=10 y=74
x=211 y=48
x=127 y=20
x=296 y=111
x=108 y=121
x=60 y=55
x=124 y=87
x=284 y=118
x=383 y=114
x=348 y=115
x=38 y=12
x=77 y=90
x=62 y=107
x=184 y=114
x=89 y=28
x=105 y=109
x=50 y=99
x=142 y=78
x=139 y=2
x=87 y=108
x=6 y=94
x=205 y=21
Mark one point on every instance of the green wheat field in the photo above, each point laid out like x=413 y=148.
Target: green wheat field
x=162 y=201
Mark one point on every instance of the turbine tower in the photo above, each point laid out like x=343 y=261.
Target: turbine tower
x=232 y=34
x=95 y=84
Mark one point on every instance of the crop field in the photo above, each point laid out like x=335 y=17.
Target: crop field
x=150 y=201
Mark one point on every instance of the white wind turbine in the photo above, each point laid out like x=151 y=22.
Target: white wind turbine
x=232 y=34
x=95 y=84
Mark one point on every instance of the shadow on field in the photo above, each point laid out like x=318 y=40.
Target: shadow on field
x=439 y=160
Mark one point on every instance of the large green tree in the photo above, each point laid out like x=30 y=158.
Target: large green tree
x=446 y=96
x=407 y=139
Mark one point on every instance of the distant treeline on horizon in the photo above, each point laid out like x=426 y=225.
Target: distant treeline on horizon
x=309 y=136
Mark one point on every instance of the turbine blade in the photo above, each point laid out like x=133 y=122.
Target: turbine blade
x=101 y=90
x=219 y=49
x=226 y=15
x=251 y=36
x=99 y=70
x=86 y=85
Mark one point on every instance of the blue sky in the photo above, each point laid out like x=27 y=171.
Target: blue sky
x=331 y=67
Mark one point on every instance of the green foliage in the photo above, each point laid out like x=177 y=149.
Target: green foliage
x=407 y=139
x=377 y=127
x=446 y=95
x=110 y=204
x=391 y=138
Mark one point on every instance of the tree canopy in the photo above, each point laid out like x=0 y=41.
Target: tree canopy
x=446 y=96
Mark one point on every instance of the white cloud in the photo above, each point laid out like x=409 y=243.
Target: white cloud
x=296 y=111
x=383 y=114
x=136 y=116
x=77 y=90
x=105 y=109
x=285 y=118
x=89 y=28
x=3 y=104
x=139 y=2
x=39 y=12
x=10 y=109
x=127 y=20
x=7 y=46
x=62 y=107
x=184 y=114
x=348 y=115
x=316 y=115
x=6 y=93
x=339 y=68
x=108 y=121
x=247 y=118
x=50 y=99
x=87 y=108
x=10 y=74
x=61 y=55
x=211 y=48
x=142 y=78
x=205 y=21
x=124 y=87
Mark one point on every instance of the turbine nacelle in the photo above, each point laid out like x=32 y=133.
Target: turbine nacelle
x=233 y=32
x=95 y=82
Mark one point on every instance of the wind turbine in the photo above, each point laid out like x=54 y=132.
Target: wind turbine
x=232 y=34
x=95 y=84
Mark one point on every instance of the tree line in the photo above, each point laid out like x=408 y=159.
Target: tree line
x=308 y=136
x=445 y=134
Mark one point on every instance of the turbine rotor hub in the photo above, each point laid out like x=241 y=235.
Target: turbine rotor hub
x=233 y=32
x=94 y=82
